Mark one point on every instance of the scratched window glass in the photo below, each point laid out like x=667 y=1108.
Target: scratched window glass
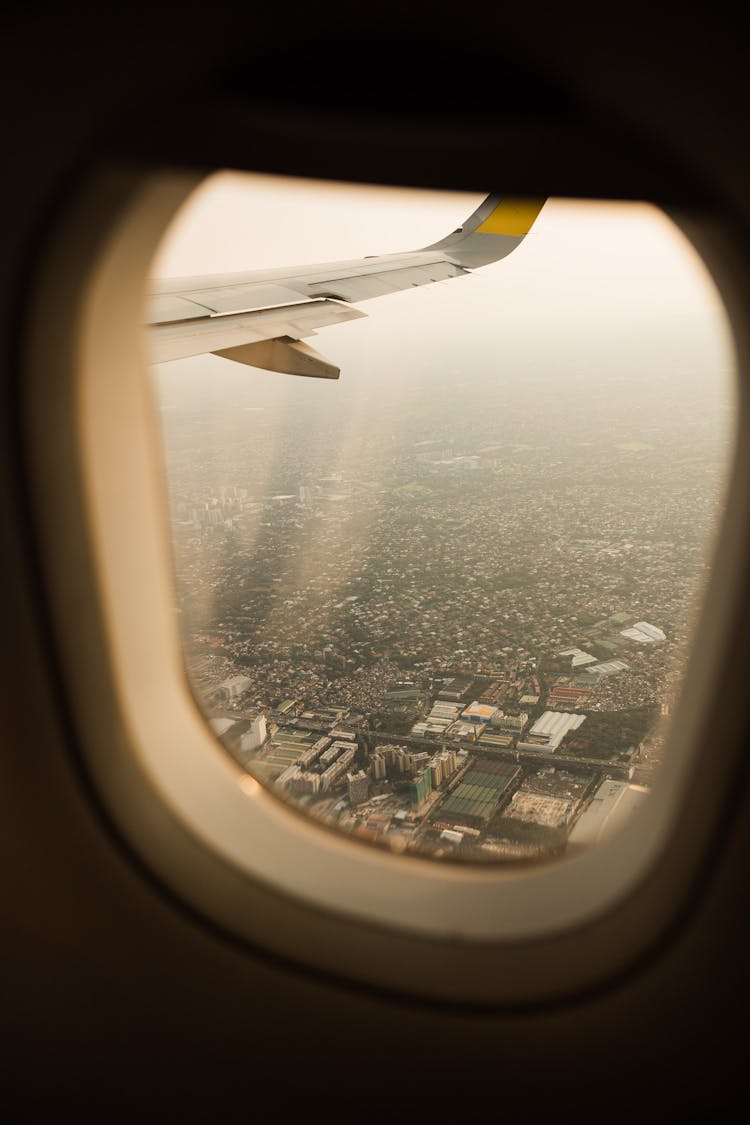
x=444 y=472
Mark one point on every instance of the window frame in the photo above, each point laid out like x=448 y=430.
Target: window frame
x=211 y=835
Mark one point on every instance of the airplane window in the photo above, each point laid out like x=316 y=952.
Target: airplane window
x=441 y=522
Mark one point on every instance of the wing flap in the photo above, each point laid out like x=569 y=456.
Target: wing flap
x=345 y=281
x=290 y=357
x=219 y=333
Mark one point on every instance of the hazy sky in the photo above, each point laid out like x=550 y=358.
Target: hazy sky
x=596 y=289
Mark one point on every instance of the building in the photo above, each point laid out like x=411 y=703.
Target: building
x=304 y=784
x=439 y=719
x=579 y=658
x=358 y=787
x=234 y=687
x=287 y=706
x=391 y=759
x=460 y=729
x=284 y=749
x=563 y=695
x=474 y=801
x=429 y=729
x=514 y=724
x=448 y=761
x=241 y=735
x=608 y=668
x=644 y=634
x=454 y=688
x=498 y=740
x=478 y=712
x=309 y=756
x=337 y=770
x=330 y=755
x=255 y=735
x=420 y=787
x=548 y=731
x=378 y=767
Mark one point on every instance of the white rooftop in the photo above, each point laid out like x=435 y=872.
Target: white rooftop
x=579 y=656
x=553 y=726
x=554 y=722
x=644 y=634
x=607 y=668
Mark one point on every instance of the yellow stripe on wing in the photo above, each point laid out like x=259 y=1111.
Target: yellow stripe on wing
x=512 y=217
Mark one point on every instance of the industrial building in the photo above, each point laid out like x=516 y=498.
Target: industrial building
x=607 y=668
x=454 y=688
x=476 y=798
x=579 y=657
x=514 y=724
x=497 y=740
x=566 y=695
x=644 y=634
x=442 y=715
x=548 y=731
x=287 y=707
x=478 y=712
x=461 y=729
x=284 y=749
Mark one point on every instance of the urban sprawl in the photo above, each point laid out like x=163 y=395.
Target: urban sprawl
x=453 y=633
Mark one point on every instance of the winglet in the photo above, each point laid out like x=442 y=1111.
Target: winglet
x=496 y=228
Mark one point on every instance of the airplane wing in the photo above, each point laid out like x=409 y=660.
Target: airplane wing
x=261 y=318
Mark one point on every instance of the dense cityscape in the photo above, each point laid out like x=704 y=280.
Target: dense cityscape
x=444 y=629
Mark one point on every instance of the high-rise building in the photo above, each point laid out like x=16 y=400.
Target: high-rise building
x=234 y=687
x=420 y=787
x=398 y=759
x=358 y=787
x=449 y=762
x=378 y=767
x=256 y=734
x=338 y=768
x=304 y=784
